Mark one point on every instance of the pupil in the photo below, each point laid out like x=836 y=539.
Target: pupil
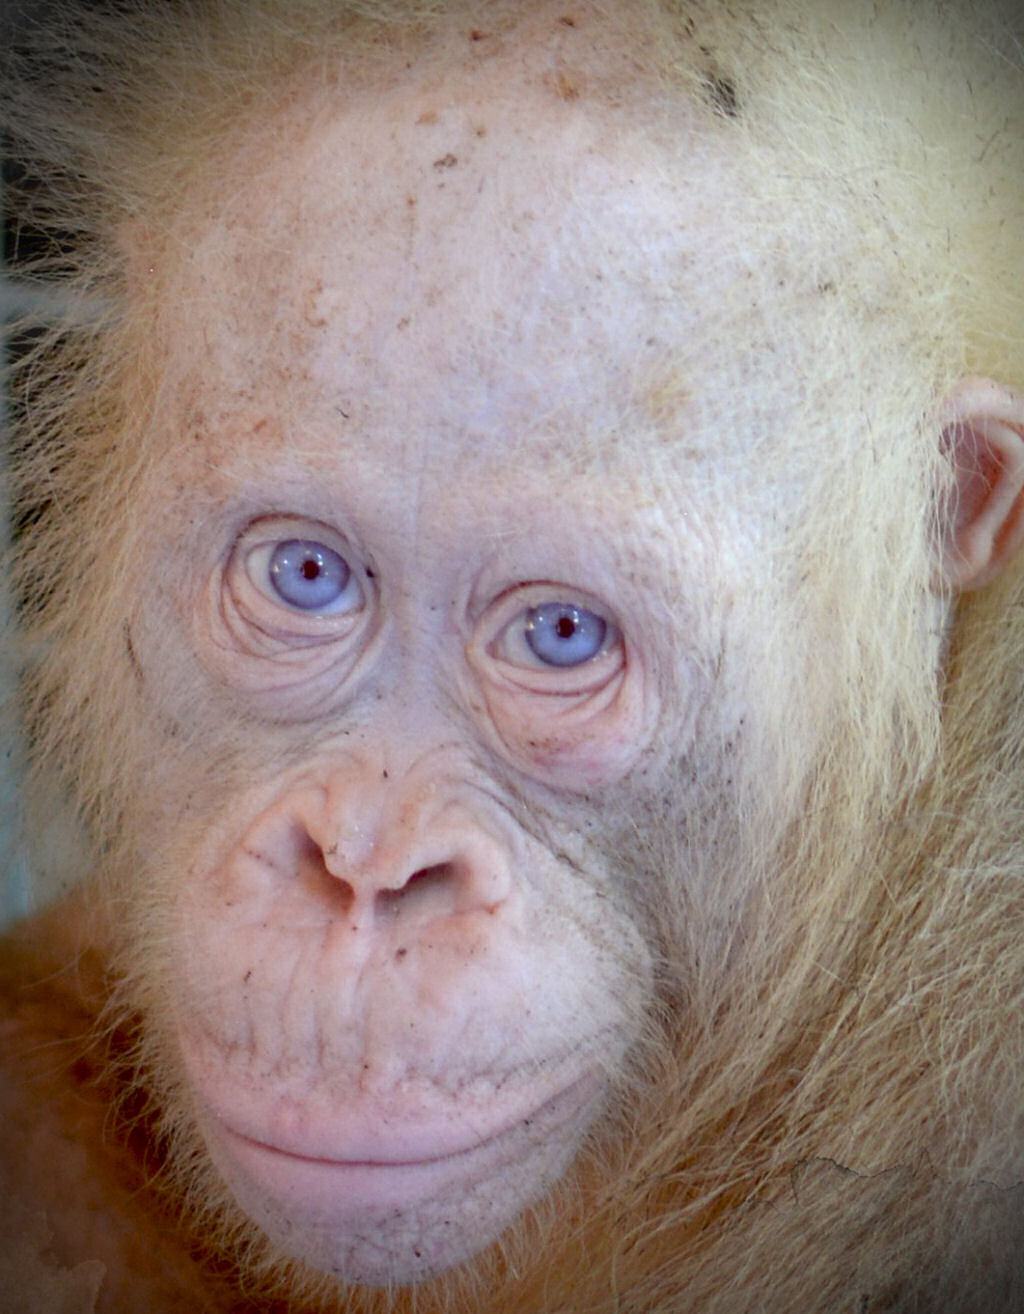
x=566 y=627
x=310 y=568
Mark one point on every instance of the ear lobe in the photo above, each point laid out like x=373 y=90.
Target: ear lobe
x=983 y=434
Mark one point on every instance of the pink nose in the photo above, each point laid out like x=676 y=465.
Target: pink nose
x=401 y=849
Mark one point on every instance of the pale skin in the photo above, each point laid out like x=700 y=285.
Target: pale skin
x=402 y=969
x=466 y=1019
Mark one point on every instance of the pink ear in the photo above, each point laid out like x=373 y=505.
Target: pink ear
x=983 y=431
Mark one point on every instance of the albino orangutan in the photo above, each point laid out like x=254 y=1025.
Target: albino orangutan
x=518 y=579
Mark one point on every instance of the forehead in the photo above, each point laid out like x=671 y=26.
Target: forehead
x=524 y=247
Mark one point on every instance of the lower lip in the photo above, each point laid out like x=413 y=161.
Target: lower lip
x=327 y=1187
x=331 y=1188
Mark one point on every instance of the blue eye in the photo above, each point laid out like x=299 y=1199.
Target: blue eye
x=560 y=634
x=308 y=575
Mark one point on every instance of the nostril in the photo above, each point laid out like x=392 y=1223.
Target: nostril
x=315 y=874
x=429 y=892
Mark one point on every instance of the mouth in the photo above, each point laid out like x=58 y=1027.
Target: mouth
x=334 y=1191
x=394 y=1166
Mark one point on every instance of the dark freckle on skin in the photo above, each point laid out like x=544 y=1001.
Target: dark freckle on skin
x=248 y=977
x=384 y=774
x=448 y=161
x=477 y=35
x=400 y=953
x=567 y=21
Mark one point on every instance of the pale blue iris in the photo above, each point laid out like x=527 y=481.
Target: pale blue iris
x=308 y=575
x=560 y=634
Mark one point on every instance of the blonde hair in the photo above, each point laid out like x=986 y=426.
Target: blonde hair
x=873 y=1013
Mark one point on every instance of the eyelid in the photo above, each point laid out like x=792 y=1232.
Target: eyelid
x=534 y=592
